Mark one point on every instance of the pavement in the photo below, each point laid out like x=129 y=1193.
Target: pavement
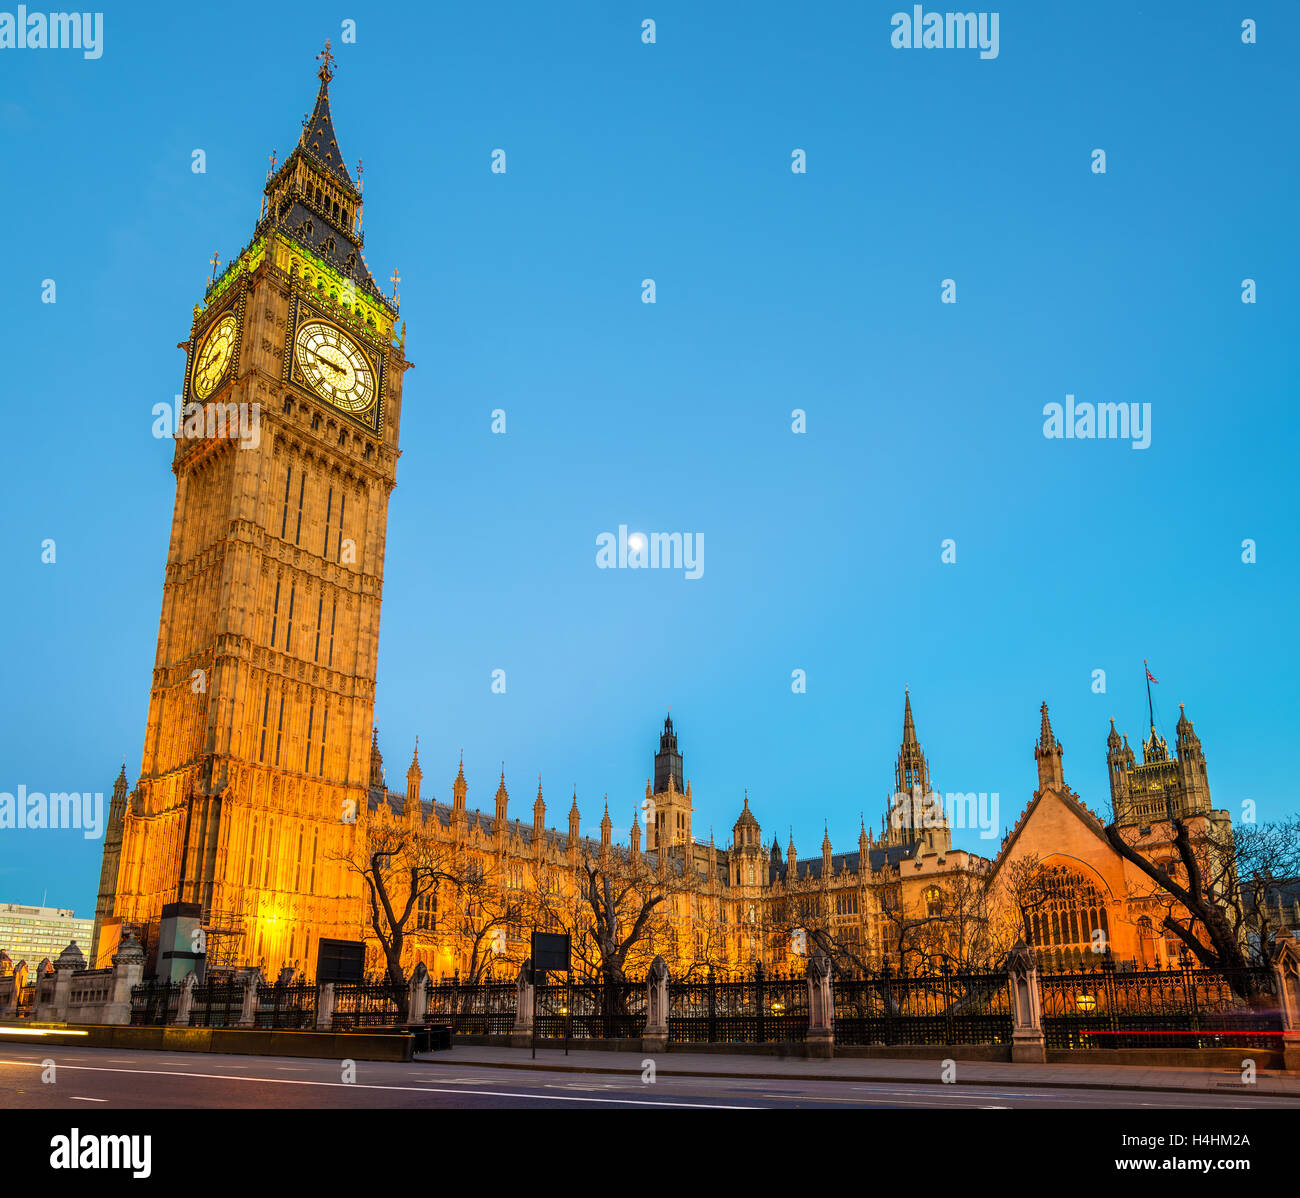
x=994 y=1074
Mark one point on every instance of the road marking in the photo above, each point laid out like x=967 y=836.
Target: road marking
x=78 y=1098
x=285 y=1081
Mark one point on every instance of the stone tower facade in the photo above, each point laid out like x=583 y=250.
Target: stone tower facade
x=257 y=754
x=668 y=804
x=1142 y=794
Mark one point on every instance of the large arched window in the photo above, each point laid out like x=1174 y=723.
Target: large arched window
x=1072 y=910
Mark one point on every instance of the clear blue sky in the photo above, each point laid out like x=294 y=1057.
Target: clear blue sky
x=775 y=291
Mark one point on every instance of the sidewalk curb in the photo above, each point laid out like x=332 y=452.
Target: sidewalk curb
x=427 y=1059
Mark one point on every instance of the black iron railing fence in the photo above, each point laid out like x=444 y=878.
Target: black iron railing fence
x=481 y=1009
x=156 y=1002
x=590 y=1009
x=287 y=1006
x=757 y=1010
x=219 y=1003
x=1103 y=1007
x=1183 y=1007
x=368 y=1004
x=943 y=1006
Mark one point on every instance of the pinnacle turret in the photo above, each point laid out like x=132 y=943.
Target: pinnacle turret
x=1047 y=753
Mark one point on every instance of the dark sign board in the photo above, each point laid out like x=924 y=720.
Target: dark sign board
x=551 y=952
x=340 y=961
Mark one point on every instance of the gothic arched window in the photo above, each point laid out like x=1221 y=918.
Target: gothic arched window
x=1073 y=909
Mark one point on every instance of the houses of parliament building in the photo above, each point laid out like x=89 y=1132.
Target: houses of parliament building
x=261 y=776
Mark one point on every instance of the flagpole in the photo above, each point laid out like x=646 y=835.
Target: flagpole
x=1150 y=710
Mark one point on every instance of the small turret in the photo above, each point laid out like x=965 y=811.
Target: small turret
x=459 y=788
x=502 y=809
x=1047 y=753
x=376 y=762
x=539 y=820
x=413 y=776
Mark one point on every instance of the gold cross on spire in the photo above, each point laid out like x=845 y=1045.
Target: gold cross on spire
x=213 y=262
x=326 y=60
x=395 y=278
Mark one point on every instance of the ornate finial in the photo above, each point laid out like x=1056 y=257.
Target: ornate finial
x=274 y=161
x=213 y=262
x=395 y=278
x=361 y=170
x=326 y=60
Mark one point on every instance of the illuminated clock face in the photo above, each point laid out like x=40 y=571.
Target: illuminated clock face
x=335 y=367
x=214 y=356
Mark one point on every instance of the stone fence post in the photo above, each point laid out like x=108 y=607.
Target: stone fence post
x=1286 y=969
x=19 y=981
x=325 y=1007
x=655 y=1036
x=186 y=1003
x=521 y=1035
x=69 y=961
x=128 y=970
x=1027 y=1042
x=248 y=1013
x=821 y=1007
x=417 y=1000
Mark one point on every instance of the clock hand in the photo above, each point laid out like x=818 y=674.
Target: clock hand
x=333 y=366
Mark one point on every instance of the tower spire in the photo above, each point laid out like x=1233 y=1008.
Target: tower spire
x=326 y=60
x=1047 y=753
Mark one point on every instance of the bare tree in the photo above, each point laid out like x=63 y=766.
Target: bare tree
x=806 y=906
x=1022 y=889
x=906 y=935
x=487 y=913
x=399 y=867
x=968 y=933
x=622 y=899
x=1266 y=857
x=1209 y=887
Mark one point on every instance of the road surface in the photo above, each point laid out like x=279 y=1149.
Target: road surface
x=112 y=1079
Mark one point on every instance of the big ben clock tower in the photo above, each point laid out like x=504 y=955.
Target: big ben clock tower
x=257 y=749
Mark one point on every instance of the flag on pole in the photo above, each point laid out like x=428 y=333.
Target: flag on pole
x=1150 y=676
